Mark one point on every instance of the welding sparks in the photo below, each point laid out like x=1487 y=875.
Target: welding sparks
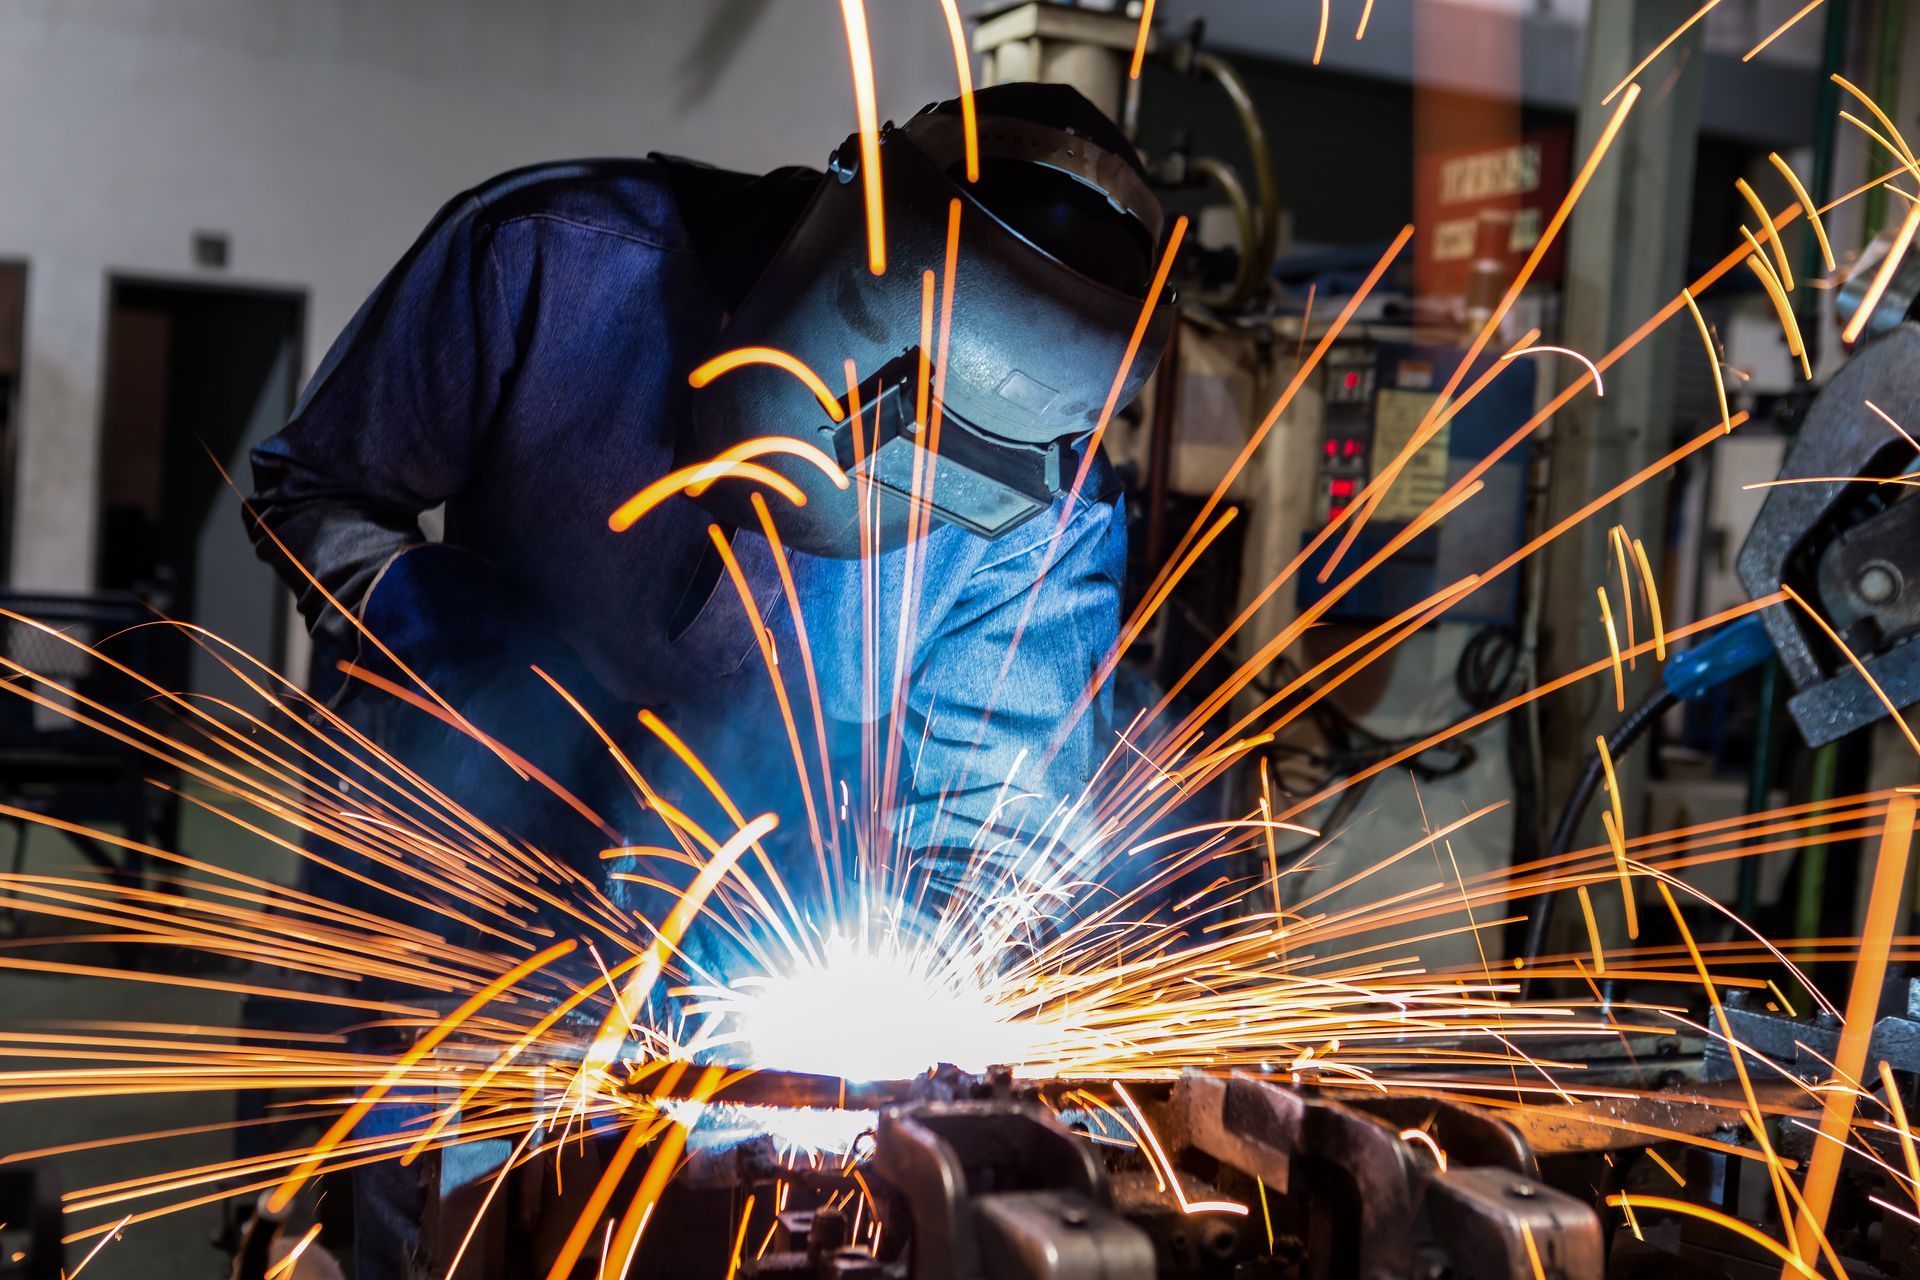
x=853 y=15
x=1113 y=939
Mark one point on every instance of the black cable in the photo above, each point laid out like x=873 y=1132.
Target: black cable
x=1488 y=662
x=1624 y=735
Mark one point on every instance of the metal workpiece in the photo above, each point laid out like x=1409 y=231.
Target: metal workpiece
x=1003 y=1189
x=1469 y=1135
x=1495 y=1225
x=1371 y=1202
x=1057 y=1233
x=1847 y=544
x=1806 y=1047
x=1629 y=1121
x=1241 y=1120
x=1897 y=301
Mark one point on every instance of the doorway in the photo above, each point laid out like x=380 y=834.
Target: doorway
x=194 y=373
x=13 y=358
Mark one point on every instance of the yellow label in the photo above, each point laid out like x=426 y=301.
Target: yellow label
x=1423 y=479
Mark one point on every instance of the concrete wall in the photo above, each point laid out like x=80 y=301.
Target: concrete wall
x=321 y=135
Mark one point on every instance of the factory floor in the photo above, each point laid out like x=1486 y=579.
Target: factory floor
x=178 y=1246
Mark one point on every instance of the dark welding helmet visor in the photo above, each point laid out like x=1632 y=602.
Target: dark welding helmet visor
x=1057 y=248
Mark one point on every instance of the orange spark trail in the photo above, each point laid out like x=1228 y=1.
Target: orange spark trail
x=1777 y=292
x=350 y=615
x=1652 y=323
x=969 y=126
x=1091 y=451
x=1779 y=31
x=1739 y=1228
x=1863 y=1002
x=1806 y=204
x=665 y=1159
x=1593 y=931
x=317 y=1154
x=1140 y=40
x=1898 y=1110
x=1650 y=592
x=1519 y=700
x=1157 y=1156
x=1599 y=388
x=853 y=15
x=1376 y=488
x=699 y=475
x=414 y=700
x=1902 y=240
x=1898 y=146
x=1613 y=648
x=1526 y=1238
x=765 y=642
x=634 y=992
x=1320 y=40
x=739 y=357
x=1858 y=666
x=1713 y=359
x=1623 y=552
x=1366 y=12
x=792 y=593
x=1658 y=49
x=1897 y=428
x=589 y=1219
x=1304 y=372
x=1760 y=212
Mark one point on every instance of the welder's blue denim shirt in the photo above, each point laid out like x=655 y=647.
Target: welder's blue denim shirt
x=526 y=365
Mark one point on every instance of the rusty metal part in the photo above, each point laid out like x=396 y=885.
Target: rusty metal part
x=1002 y=1188
x=1637 y=1120
x=1248 y=1123
x=1806 y=1046
x=1487 y=1218
x=1364 y=1193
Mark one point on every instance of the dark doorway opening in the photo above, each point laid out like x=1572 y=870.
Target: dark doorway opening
x=192 y=371
x=13 y=358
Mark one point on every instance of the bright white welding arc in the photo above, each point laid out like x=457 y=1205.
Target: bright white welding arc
x=798 y=1130
x=870 y=1014
x=1599 y=388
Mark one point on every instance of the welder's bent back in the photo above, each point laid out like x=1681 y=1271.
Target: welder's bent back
x=526 y=365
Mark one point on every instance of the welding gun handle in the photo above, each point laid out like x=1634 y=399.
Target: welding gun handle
x=1729 y=652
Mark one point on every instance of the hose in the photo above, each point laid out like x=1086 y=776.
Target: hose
x=1624 y=735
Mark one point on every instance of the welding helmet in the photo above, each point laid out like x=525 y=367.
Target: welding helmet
x=1058 y=244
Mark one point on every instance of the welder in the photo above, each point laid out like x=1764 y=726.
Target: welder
x=526 y=367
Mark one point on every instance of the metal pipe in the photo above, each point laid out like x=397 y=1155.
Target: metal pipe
x=1266 y=183
x=1247 y=281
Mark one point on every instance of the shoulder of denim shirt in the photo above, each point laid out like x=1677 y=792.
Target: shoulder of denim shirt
x=629 y=199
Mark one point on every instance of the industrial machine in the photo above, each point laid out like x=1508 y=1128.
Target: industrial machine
x=1243 y=1176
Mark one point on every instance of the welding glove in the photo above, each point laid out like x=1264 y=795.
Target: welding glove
x=472 y=639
